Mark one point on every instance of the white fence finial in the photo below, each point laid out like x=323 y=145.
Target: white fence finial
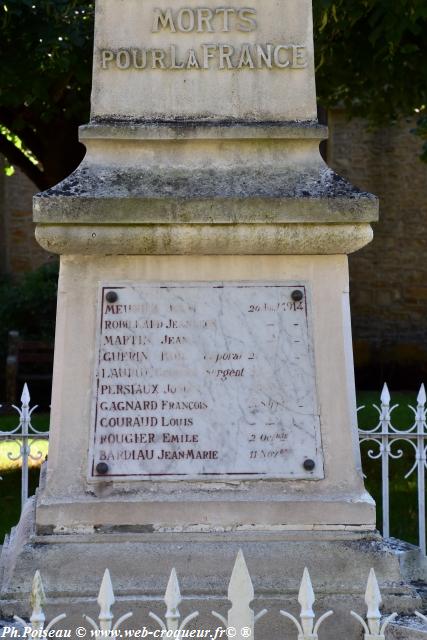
x=105 y=600
x=373 y=601
x=25 y=397
x=373 y=629
x=37 y=602
x=306 y=599
x=240 y=593
x=172 y=600
x=422 y=398
x=385 y=395
x=240 y=584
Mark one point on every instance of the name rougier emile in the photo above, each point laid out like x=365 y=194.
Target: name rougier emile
x=207 y=55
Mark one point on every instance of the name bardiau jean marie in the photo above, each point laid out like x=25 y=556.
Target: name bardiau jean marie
x=211 y=55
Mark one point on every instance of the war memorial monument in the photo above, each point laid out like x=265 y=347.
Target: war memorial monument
x=203 y=395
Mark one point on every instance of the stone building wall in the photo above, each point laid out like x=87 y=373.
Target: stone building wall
x=389 y=276
x=19 y=252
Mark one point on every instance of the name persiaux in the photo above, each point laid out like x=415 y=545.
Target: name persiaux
x=219 y=55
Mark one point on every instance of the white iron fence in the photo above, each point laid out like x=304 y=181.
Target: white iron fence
x=239 y=622
x=383 y=435
x=26 y=437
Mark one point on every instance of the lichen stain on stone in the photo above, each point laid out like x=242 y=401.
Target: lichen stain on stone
x=183 y=122
x=111 y=182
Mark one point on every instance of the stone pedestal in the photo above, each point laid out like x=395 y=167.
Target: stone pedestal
x=72 y=501
x=140 y=564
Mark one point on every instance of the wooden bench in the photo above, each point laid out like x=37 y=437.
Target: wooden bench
x=28 y=361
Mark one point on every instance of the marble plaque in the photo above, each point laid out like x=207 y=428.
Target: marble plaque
x=205 y=380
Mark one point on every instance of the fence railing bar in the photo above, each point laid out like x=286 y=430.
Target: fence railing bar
x=386 y=436
x=421 y=464
x=25 y=435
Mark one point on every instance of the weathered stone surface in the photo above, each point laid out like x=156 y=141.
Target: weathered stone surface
x=284 y=239
x=407 y=628
x=182 y=128
x=142 y=178
x=130 y=196
x=281 y=90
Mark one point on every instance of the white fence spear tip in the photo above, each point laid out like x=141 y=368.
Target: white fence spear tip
x=422 y=398
x=385 y=395
x=373 y=601
x=373 y=594
x=240 y=587
x=25 y=397
x=106 y=597
x=173 y=595
x=306 y=596
x=38 y=597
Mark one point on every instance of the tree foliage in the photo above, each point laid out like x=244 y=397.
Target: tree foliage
x=29 y=306
x=370 y=56
x=45 y=76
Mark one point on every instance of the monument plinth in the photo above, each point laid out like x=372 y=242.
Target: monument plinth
x=203 y=394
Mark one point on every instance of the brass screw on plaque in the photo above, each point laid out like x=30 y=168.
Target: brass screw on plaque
x=297 y=295
x=102 y=468
x=309 y=465
x=111 y=296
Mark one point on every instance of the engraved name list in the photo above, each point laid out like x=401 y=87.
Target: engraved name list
x=205 y=380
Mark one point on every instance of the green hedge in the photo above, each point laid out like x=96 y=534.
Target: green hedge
x=29 y=305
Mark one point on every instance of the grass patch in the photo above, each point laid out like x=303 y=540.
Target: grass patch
x=10 y=497
x=40 y=421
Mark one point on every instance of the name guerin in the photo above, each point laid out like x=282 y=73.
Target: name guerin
x=219 y=55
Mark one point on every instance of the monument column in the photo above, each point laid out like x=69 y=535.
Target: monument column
x=203 y=373
x=203 y=394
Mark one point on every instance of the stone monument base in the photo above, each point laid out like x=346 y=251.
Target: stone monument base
x=339 y=562
x=76 y=497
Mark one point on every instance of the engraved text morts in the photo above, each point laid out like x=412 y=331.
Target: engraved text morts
x=203 y=61
x=205 y=380
x=222 y=55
